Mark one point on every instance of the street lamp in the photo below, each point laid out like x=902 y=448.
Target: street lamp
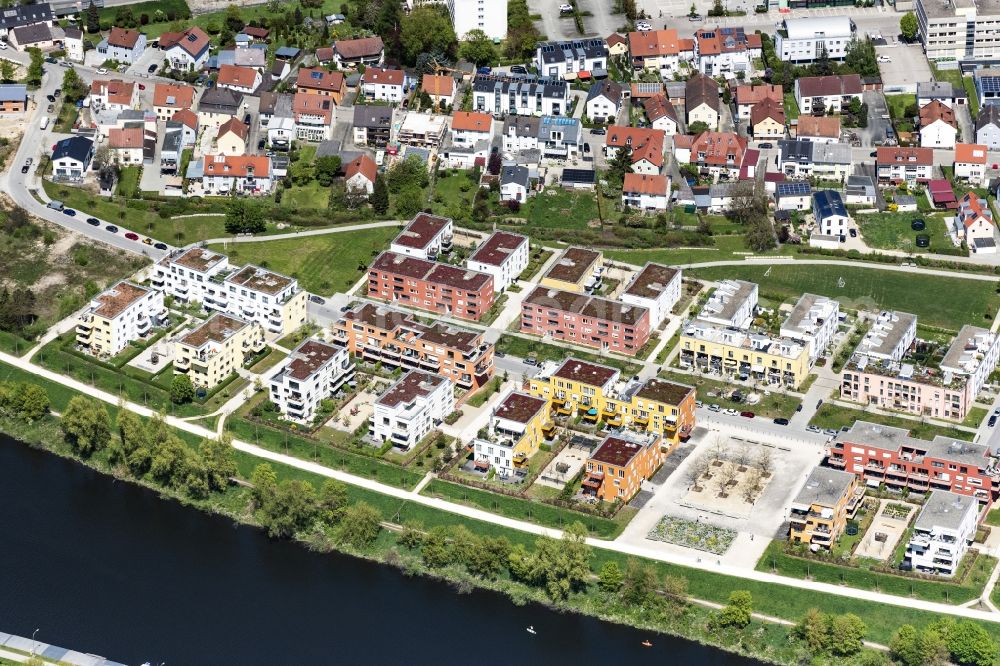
x=34 y=645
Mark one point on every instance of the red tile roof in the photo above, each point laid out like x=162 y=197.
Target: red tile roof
x=715 y=149
x=359 y=48
x=824 y=126
x=438 y=85
x=750 y=94
x=390 y=77
x=934 y=111
x=646 y=143
x=653 y=43
x=364 y=165
x=127 y=137
x=970 y=153
x=123 y=37
x=898 y=155
x=193 y=40
x=314 y=78
x=237 y=166
x=767 y=109
x=236 y=127
x=174 y=95
x=235 y=75
x=117 y=92
x=304 y=103
x=828 y=86
x=471 y=121
x=186 y=116
x=644 y=184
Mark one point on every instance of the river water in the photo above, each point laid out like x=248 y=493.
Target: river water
x=109 y=568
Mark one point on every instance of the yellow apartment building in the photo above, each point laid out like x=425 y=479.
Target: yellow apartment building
x=217 y=349
x=577 y=269
x=744 y=354
x=822 y=508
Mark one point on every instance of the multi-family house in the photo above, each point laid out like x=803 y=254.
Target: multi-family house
x=470 y=140
x=468 y=15
x=827 y=161
x=988 y=126
x=577 y=269
x=903 y=165
x=169 y=98
x=313 y=116
x=514 y=433
x=556 y=137
x=725 y=51
x=504 y=255
x=411 y=409
x=520 y=94
x=830 y=213
x=767 y=120
x=428 y=285
x=117 y=316
x=232 y=137
x=16 y=16
x=970 y=163
x=717 y=154
x=217 y=105
x=646 y=191
x=378 y=334
x=426 y=236
x=732 y=304
x=567 y=59
x=655 y=287
x=661 y=114
x=127 y=143
x=71 y=158
x=123 y=45
x=938 y=127
x=813 y=321
x=114 y=95
x=273 y=300
x=818 y=129
x=804 y=40
x=827 y=94
x=618 y=466
x=312 y=373
x=604 y=101
x=743 y=353
x=822 y=507
x=216 y=349
x=646 y=146
x=366 y=51
x=237 y=174
x=316 y=81
x=701 y=99
x=186 y=51
x=585 y=320
x=942 y=533
x=424 y=130
x=746 y=96
x=372 y=125
x=185 y=276
x=385 y=85
x=656 y=50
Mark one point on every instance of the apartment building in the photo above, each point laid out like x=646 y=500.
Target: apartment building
x=944 y=530
x=820 y=511
x=425 y=130
x=555 y=137
x=658 y=50
x=657 y=288
x=186 y=275
x=891 y=335
x=504 y=255
x=517 y=427
x=958 y=30
x=313 y=372
x=743 y=353
x=386 y=85
x=725 y=51
x=826 y=161
x=903 y=165
x=585 y=320
x=273 y=300
x=411 y=409
x=428 y=285
x=378 y=334
x=117 y=316
x=598 y=393
x=803 y=40
x=813 y=322
x=718 y=154
x=566 y=59
x=827 y=94
x=237 y=174
x=881 y=454
x=577 y=269
x=617 y=468
x=490 y=16
x=424 y=237
x=520 y=94
x=216 y=349
x=733 y=303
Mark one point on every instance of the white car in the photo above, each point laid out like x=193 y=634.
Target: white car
x=3 y=46
x=643 y=26
x=565 y=9
x=884 y=59
x=102 y=71
x=730 y=412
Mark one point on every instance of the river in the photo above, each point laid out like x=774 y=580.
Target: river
x=109 y=568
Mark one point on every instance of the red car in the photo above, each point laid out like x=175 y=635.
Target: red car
x=748 y=415
x=142 y=87
x=132 y=236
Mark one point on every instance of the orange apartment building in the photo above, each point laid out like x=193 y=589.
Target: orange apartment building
x=377 y=333
x=617 y=468
x=429 y=285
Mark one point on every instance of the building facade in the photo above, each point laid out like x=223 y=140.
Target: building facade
x=515 y=430
x=429 y=285
x=117 y=316
x=216 y=349
x=657 y=288
x=585 y=320
x=944 y=530
x=313 y=372
x=411 y=409
x=617 y=468
x=823 y=506
x=504 y=255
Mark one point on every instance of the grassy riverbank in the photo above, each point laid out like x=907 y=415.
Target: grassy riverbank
x=765 y=641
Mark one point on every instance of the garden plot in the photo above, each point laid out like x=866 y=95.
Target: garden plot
x=693 y=534
x=888 y=526
x=564 y=467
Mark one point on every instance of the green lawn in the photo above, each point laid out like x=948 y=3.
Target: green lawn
x=559 y=208
x=724 y=249
x=323 y=264
x=128 y=181
x=836 y=417
x=775 y=559
x=479 y=398
x=68 y=114
x=523 y=347
x=791 y=106
x=975 y=417
x=770 y=406
x=453 y=193
x=946 y=302
x=897 y=104
x=891 y=231
x=312 y=195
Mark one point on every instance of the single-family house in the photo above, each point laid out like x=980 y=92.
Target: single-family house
x=240 y=79
x=126 y=143
x=604 y=100
x=232 y=137
x=860 y=190
x=647 y=147
x=316 y=81
x=827 y=94
x=313 y=115
x=716 y=154
x=818 y=129
x=938 y=127
x=71 y=158
x=122 y=44
x=217 y=105
x=970 y=163
x=440 y=88
x=73 y=43
x=360 y=174
x=188 y=121
x=113 y=95
x=974 y=224
x=367 y=51
x=169 y=98
x=941 y=91
x=646 y=192
x=515 y=183
x=236 y=174
x=747 y=96
x=372 y=125
x=830 y=214
x=39 y=36
x=617 y=44
x=187 y=50
x=13 y=99
x=701 y=99
x=793 y=195
x=661 y=115
x=767 y=120
x=898 y=165
x=988 y=126
x=657 y=50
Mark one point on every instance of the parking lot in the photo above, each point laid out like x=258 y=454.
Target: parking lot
x=908 y=67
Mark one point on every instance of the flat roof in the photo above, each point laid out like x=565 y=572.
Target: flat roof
x=667 y=392
x=421 y=230
x=651 y=281
x=260 y=279
x=308 y=358
x=198 y=259
x=593 y=374
x=946 y=448
x=218 y=328
x=116 y=300
x=519 y=407
x=965 y=348
x=431 y=271
x=414 y=384
x=587 y=306
x=824 y=487
x=728 y=298
x=619 y=449
x=886 y=333
x=574 y=264
x=498 y=248
x=808 y=308
x=944 y=509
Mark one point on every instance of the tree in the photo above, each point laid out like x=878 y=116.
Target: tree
x=326 y=169
x=619 y=165
x=697 y=127
x=487 y=556
x=412 y=535
x=265 y=484
x=34 y=402
x=380 y=196
x=912 y=648
x=426 y=28
x=639 y=583
x=360 y=525
x=8 y=71
x=408 y=202
x=234 y=20
x=847 y=634
x=478 y=48
x=610 y=579
x=244 y=217
x=494 y=164
x=738 y=611
x=73 y=87
x=760 y=235
x=218 y=462
x=562 y=566
x=860 y=57
x=822 y=65
x=86 y=425
x=181 y=390
x=435 y=550
x=747 y=202
x=908 y=26
x=36 y=69
x=970 y=643
x=332 y=501
x=814 y=631
x=290 y=510
x=93 y=18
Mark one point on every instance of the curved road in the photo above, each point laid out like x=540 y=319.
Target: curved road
x=478 y=514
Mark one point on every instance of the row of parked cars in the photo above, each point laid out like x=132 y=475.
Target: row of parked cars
x=110 y=228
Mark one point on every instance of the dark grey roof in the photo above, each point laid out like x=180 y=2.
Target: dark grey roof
x=989 y=114
x=860 y=186
x=276 y=104
x=75 y=147
x=328 y=148
x=514 y=174
x=13 y=17
x=518 y=84
x=609 y=89
x=938 y=89
x=221 y=100
x=568 y=51
x=372 y=117
x=522 y=125
x=793 y=150
x=32 y=34
x=827 y=203
x=578 y=176
x=287 y=52
x=172 y=139
x=792 y=188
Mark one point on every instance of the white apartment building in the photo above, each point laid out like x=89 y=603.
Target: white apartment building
x=566 y=59
x=504 y=255
x=958 y=29
x=117 y=316
x=802 y=40
x=424 y=237
x=313 y=372
x=974 y=354
x=813 y=321
x=186 y=276
x=942 y=533
x=520 y=94
x=490 y=16
x=408 y=411
x=890 y=337
x=255 y=294
x=657 y=288
x=513 y=432
x=733 y=303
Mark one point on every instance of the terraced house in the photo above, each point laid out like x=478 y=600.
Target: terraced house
x=520 y=94
x=216 y=349
x=395 y=339
x=117 y=316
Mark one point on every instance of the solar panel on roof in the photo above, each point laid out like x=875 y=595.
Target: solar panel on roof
x=578 y=176
x=795 y=188
x=316 y=75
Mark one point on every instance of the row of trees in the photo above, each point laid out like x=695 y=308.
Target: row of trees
x=965 y=642
x=23 y=401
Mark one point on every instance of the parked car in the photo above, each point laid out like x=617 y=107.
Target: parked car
x=3 y=46
x=51 y=60
x=131 y=235
x=51 y=98
x=518 y=69
x=694 y=17
x=530 y=361
x=730 y=412
x=316 y=299
x=600 y=131
x=147 y=241
x=25 y=168
x=993 y=421
x=819 y=403
x=854 y=233
x=747 y=415
x=142 y=86
x=152 y=68
x=565 y=9
x=643 y=26
x=160 y=246
x=111 y=228
x=93 y=221
x=714 y=408
x=830 y=432
x=51 y=108
x=57 y=92
x=798 y=407
x=69 y=211
x=765 y=145
x=813 y=428
x=699 y=403
x=781 y=421
x=996 y=412
x=102 y=70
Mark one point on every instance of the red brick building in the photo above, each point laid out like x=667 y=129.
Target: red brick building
x=585 y=320
x=429 y=285
x=881 y=454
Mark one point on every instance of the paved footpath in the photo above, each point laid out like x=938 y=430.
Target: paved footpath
x=485 y=516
